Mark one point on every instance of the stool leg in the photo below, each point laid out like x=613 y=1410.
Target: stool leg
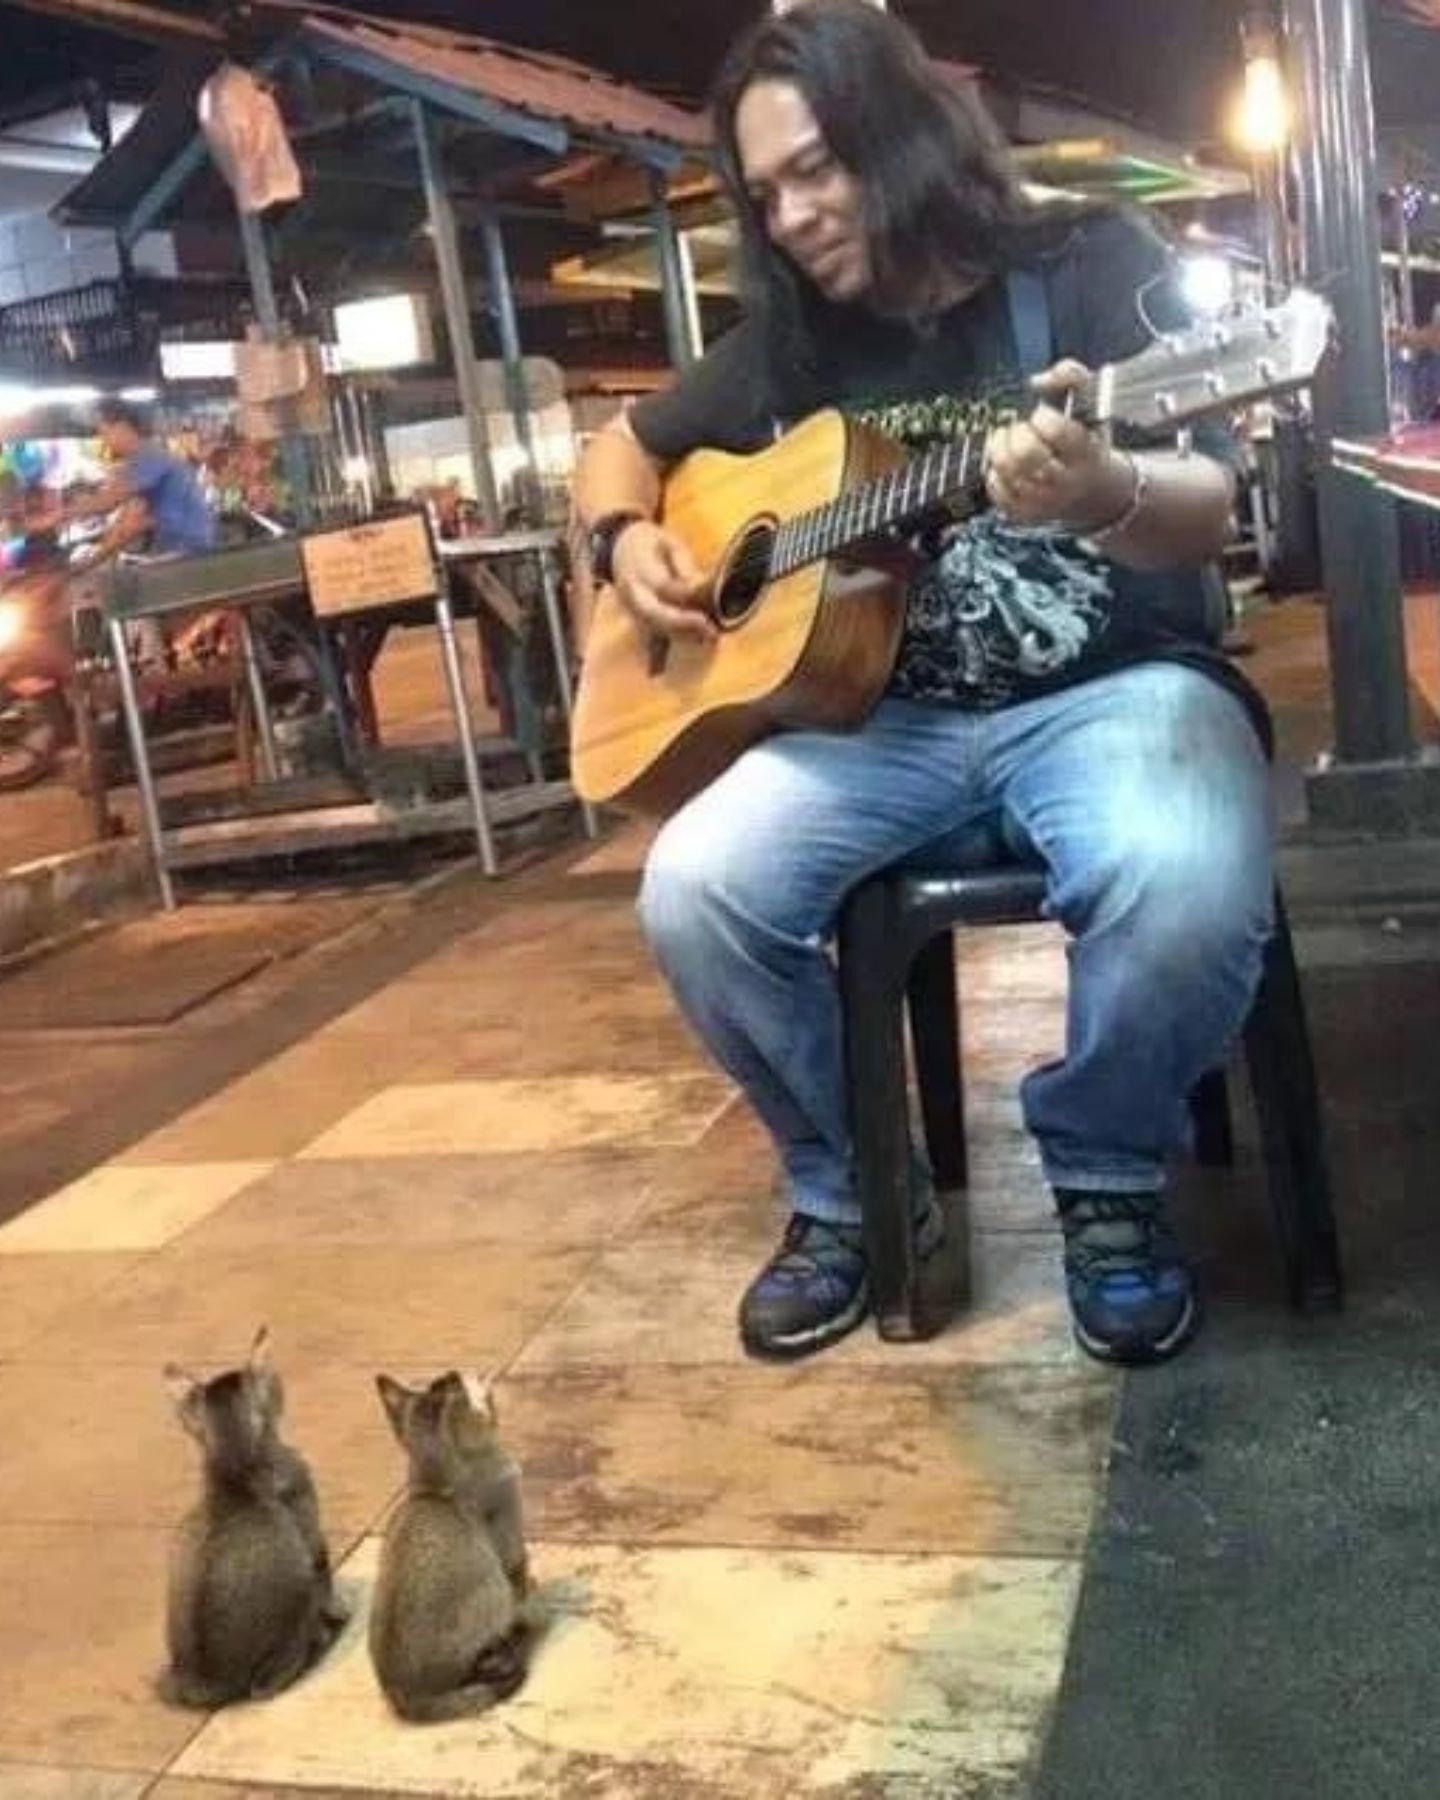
x=1210 y=1114
x=935 y=1034
x=872 y=968
x=1287 y=1102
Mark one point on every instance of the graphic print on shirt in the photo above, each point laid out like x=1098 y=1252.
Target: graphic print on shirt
x=1005 y=609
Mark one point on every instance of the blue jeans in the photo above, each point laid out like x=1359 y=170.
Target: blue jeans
x=1146 y=795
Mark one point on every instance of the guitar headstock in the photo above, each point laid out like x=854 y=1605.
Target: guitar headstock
x=1218 y=364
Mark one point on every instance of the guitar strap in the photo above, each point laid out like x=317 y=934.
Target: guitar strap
x=1030 y=321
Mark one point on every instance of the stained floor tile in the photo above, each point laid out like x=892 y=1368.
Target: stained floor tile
x=965 y=1459
x=622 y=853
x=127 y=1207
x=637 y=1031
x=279 y=1107
x=655 y=1299
x=81 y=1640
x=21 y=1781
x=570 y=1200
x=91 y=1444
x=502 y=1116
x=364 y=1307
x=38 y=1288
x=181 y=1787
x=726 y=1674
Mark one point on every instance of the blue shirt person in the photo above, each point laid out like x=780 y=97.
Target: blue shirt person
x=151 y=495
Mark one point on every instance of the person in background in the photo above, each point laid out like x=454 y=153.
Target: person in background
x=151 y=499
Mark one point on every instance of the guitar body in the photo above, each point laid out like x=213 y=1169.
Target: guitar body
x=654 y=723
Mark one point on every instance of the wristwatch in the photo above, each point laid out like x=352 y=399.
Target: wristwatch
x=602 y=538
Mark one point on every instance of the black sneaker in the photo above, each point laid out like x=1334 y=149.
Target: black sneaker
x=815 y=1289
x=1132 y=1299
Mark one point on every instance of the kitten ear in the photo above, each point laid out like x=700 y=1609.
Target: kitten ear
x=480 y=1392
x=261 y=1358
x=396 y=1400
x=184 y=1390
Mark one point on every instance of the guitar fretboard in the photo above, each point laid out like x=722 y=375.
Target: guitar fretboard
x=882 y=504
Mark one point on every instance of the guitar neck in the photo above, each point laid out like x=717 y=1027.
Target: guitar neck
x=902 y=497
x=886 y=503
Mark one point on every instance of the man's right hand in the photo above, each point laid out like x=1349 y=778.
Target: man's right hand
x=657 y=579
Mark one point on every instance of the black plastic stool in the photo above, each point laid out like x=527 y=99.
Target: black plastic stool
x=895 y=944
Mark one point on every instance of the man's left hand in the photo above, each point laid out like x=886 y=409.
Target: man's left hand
x=1050 y=469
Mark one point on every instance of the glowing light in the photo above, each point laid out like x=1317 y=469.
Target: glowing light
x=1262 y=120
x=391 y=331
x=1207 y=282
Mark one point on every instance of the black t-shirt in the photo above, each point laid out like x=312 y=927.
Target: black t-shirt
x=1002 y=612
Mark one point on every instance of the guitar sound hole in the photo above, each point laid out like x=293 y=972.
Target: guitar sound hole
x=744 y=576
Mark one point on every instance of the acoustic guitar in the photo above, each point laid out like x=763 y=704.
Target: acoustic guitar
x=808 y=635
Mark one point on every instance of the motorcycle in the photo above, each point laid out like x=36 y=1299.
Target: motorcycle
x=35 y=665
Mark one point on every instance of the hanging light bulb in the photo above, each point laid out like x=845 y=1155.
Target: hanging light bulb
x=1263 y=116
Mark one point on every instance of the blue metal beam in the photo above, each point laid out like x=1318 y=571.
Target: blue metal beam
x=455 y=297
x=173 y=177
x=649 y=151
x=549 y=134
x=162 y=190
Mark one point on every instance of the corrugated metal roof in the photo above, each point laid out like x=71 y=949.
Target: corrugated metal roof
x=524 y=82
x=549 y=87
x=110 y=192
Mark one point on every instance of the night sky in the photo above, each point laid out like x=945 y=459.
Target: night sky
x=1166 y=64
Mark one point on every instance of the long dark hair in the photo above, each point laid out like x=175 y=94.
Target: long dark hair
x=939 y=193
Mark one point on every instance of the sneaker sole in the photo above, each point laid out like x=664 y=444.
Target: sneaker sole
x=1140 y=1357
x=798 y=1344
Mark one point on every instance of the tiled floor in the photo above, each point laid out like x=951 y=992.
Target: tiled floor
x=852 y=1578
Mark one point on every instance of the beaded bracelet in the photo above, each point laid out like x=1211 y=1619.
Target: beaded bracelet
x=1102 y=536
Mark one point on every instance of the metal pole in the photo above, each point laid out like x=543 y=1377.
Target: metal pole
x=502 y=299
x=690 y=293
x=1402 y=365
x=1291 y=561
x=260 y=705
x=456 y=300
x=1335 y=161
x=1268 y=176
x=267 y=314
x=554 y=618
x=1406 y=272
x=140 y=756
x=672 y=275
x=460 y=706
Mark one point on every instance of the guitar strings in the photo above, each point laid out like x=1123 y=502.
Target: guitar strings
x=757 y=558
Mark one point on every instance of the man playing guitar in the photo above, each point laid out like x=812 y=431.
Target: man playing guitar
x=1052 y=695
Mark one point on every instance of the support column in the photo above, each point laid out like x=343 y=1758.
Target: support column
x=456 y=301
x=672 y=276
x=517 y=389
x=1295 y=560
x=293 y=459
x=1335 y=163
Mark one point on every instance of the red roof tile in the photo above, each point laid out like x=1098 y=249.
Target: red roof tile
x=549 y=87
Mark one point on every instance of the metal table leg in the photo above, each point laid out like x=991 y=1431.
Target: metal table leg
x=140 y=756
x=460 y=706
x=259 y=703
x=551 y=588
